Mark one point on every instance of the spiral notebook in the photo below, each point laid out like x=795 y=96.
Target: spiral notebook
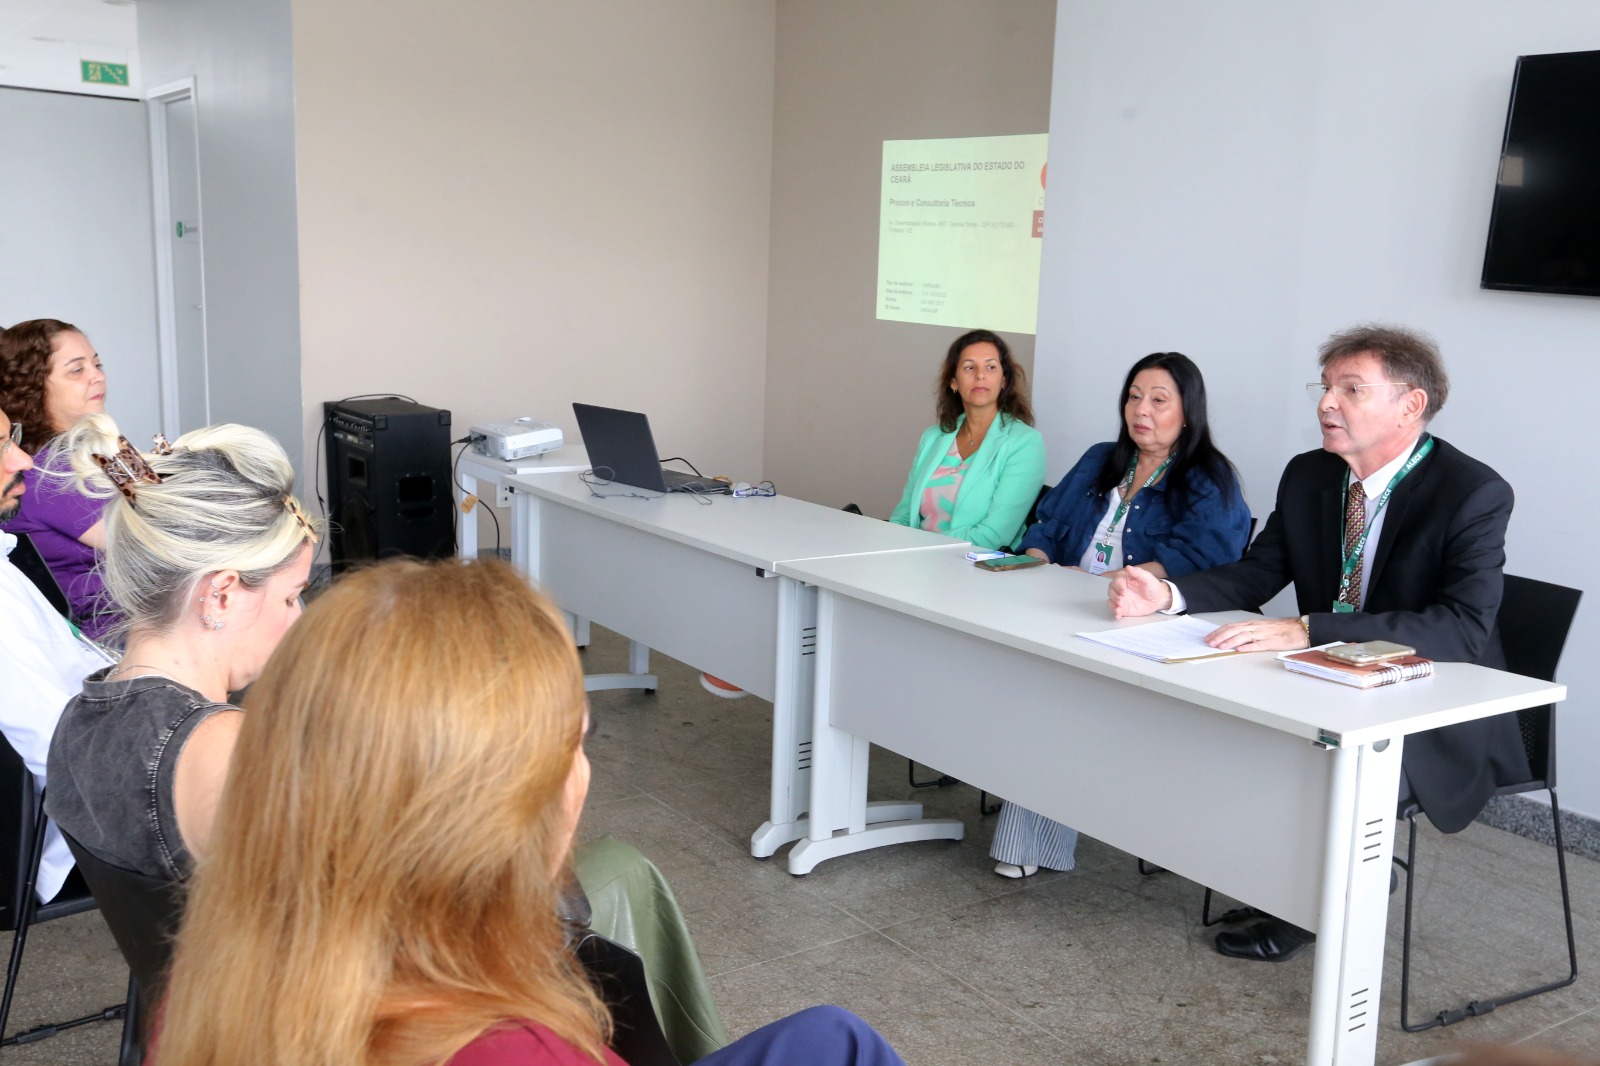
x=1314 y=663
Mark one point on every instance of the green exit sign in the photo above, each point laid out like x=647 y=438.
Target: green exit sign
x=105 y=73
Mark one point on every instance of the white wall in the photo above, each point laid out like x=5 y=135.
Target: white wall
x=848 y=395
x=1237 y=181
x=240 y=55
x=559 y=202
x=75 y=238
x=44 y=44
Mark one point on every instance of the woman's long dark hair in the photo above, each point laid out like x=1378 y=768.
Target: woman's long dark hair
x=1192 y=450
x=1013 y=398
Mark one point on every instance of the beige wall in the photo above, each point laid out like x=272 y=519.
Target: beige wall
x=848 y=395
x=508 y=205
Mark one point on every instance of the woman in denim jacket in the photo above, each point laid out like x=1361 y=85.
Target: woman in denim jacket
x=1161 y=497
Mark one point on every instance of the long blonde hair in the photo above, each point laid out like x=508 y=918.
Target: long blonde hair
x=383 y=879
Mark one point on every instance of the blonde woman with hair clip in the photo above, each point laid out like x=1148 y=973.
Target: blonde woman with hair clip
x=382 y=887
x=207 y=553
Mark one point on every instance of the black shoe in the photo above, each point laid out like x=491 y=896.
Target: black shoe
x=1269 y=940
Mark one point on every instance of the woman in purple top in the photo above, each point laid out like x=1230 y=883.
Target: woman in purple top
x=50 y=377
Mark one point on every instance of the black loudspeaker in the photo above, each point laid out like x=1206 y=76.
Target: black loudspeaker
x=388 y=481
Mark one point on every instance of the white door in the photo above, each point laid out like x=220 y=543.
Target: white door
x=175 y=151
x=76 y=233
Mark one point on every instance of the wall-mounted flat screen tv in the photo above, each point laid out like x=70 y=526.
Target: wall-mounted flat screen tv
x=1544 y=231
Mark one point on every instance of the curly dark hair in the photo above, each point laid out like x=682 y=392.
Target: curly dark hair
x=1013 y=398
x=25 y=351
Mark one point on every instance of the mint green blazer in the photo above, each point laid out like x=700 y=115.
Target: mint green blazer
x=1002 y=482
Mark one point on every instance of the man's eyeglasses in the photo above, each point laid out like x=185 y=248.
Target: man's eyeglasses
x=13 y=441
x=1317 y=390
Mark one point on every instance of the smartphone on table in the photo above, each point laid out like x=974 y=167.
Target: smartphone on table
x=1369 y=651
x=1010 y=562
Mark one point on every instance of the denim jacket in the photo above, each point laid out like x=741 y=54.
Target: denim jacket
x=1211 y=530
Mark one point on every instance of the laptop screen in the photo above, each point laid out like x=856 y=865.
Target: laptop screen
x=620 y=446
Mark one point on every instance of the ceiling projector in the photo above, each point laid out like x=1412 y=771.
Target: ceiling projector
x=516 y=439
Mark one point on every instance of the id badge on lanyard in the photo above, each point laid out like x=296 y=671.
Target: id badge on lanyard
x=1103 y=548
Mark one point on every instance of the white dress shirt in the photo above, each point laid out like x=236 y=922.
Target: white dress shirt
x=42 y=666
x=1373 y=485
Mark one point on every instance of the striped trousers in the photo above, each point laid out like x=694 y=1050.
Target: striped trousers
x=1024 y=838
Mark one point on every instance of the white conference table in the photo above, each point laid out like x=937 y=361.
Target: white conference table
x=474 y=472
x=1275 y=788
x=697 y=578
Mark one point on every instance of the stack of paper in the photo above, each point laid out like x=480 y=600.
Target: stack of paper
x=1178 y=640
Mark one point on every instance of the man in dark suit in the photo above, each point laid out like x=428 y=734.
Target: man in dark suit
x=1386 y=533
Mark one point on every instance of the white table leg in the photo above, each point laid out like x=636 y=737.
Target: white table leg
x=842 y=822
x=1347 y=977
x=638 y=675
x=467 y=524
x=578 y=627
x=525 y=530
x=605 y=682
x=791 y=720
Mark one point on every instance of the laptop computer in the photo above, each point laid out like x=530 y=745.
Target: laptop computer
x=622 y=449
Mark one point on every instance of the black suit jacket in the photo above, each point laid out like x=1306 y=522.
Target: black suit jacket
x=1436 y=582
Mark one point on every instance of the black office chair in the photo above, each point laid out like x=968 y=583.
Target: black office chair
x=618 y=975
x=1534 y=619
x=1533 y=622
x=22 y=823
x=143 y=914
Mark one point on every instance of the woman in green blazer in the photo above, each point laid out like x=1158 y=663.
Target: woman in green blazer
x=980 y=467
x=978 y=471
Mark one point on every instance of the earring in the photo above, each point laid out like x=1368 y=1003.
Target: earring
x=205 y=619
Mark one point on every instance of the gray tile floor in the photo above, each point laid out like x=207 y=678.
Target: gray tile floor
x=956 y=965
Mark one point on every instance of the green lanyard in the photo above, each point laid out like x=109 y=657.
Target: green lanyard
x=1352 y=558
x=1122 y=507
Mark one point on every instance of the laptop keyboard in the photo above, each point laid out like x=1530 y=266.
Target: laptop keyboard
x=678 y=481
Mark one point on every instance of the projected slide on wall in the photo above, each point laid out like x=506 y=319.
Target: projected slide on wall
x=959 y=231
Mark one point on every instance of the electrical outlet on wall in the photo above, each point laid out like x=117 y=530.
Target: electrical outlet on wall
x=502 y=496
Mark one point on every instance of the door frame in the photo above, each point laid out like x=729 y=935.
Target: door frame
x=166 y=311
